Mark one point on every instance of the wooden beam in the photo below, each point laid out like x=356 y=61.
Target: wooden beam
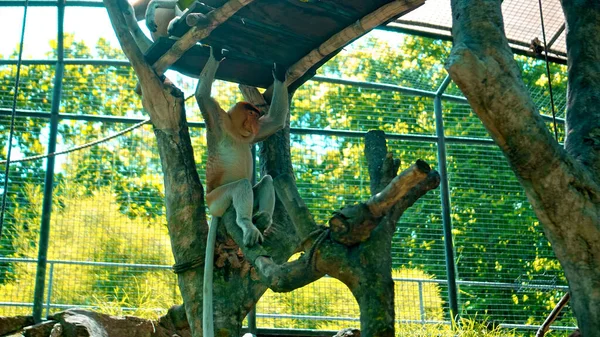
x=348 y=34
x=195 y=34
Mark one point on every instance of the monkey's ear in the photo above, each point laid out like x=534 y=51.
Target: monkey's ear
x=279 y=72
x=218 y=52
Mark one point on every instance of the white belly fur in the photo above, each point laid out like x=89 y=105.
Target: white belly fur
x=236 y=159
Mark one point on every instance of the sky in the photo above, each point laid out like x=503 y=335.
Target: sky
x=88 y=24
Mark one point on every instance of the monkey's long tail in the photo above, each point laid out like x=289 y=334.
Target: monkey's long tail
x=208 y=328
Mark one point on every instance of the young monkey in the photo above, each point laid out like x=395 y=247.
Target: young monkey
x=229 y=165
x=159 y=14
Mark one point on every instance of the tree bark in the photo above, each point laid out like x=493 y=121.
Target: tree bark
x=560 y=184
x=583 y=99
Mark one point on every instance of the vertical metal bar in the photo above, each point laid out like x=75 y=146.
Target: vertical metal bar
x=50 y=279
x=421 y=301
x=445 y=199
x=40 y=277
x=252 y=314
x=13 y=114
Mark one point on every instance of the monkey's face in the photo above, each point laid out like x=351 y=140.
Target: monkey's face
x=244 y=117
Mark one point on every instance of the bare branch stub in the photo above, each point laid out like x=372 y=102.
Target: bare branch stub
x=383 y=167
x=383 y=201
x=375 y=152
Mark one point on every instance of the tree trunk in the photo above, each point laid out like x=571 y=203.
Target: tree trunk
x=583 y=105
x=583 y=143
x=562 y=185
x=375 y=291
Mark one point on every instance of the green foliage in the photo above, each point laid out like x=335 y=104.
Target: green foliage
x=101 y=234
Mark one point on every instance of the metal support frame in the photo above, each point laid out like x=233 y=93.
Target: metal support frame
x=445 y=200
x=40 y=277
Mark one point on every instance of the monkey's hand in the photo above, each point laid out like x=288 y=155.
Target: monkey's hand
x=218 y=53
x=262 y=220
x=252 y=235
x=279 y=72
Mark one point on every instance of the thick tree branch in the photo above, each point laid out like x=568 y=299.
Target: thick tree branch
x=162 y=101
x=381 y=202
x=186 y=218
x=117 y=10
x=482 y=65
x=287 y=192
x=354 y=224
x=197 y=33
x=142 y=41
x=290 y=275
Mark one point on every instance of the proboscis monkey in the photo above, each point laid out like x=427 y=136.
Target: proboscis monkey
x=229 y=167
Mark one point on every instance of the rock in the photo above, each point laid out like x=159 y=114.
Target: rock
x=14 y=324
x=349 y=332
x=57 y=331
x=175 y=319
x=39 y=330
x=82 y=323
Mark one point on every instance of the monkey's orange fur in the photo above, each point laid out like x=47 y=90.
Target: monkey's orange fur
x=230 y=159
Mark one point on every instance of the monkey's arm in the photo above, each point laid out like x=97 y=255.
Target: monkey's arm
x=139 y=7
x=275 y=119
x=211 y=111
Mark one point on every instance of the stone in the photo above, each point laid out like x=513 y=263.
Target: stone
x=14 y=324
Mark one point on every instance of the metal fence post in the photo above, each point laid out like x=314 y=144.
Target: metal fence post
x=40 y=277
x=445 y=199
x=50 y=280
x=252 y=328
x=421 y=302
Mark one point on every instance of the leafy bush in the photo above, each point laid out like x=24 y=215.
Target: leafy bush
x=101 y=233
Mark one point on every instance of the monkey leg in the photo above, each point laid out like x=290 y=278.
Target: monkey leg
x=240 y=194
x=151 y=15
x=264 y=203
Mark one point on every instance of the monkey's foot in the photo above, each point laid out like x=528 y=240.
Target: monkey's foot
x=262 y=220
x=252 y=235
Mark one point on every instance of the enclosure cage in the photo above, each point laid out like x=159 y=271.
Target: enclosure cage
x=99 y=232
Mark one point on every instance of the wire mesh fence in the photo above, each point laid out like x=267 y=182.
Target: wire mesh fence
x=109 y=247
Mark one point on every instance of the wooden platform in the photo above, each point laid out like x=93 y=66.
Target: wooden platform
x=268 y=31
